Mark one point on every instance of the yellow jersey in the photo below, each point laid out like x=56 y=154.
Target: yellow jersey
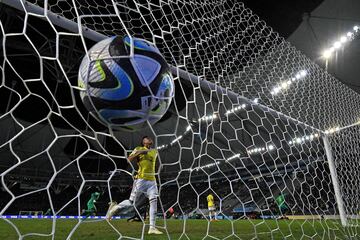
x=210 y=200
x=146 y=163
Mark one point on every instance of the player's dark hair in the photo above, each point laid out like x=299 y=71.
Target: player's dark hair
x=142 y=140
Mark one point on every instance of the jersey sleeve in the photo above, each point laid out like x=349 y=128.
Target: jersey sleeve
x=134 y=151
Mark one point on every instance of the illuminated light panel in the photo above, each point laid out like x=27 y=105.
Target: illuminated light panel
x=286 y=84
x=303 y=139
x=207 y=118
x=235 y=109
x=342 y=40
x=332 y=130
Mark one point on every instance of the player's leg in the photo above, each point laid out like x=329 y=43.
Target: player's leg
x=145 y=212
x=140 y=204
x=210 y=211
x=88 y=212
x=152 y=194
x=91 y=209
x=215 y=214
x=284 y=211
x=113 y=208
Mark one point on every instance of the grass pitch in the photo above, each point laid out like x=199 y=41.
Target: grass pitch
x=179 y=229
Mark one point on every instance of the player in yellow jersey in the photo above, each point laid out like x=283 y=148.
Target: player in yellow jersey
x=211 y=207
x=145 y=182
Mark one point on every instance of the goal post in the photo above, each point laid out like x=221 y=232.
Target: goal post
x=334 y=178
x=343 y=148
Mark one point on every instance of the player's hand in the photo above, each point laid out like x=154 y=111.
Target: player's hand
x=138 y=152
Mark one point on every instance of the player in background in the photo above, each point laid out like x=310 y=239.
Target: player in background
x=91 y=208
x=211 y=207
x=145 y=182
x=281 y=203
x=170 y=212
x=48 y=212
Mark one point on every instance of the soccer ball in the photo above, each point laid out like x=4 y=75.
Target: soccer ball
x=124 y=90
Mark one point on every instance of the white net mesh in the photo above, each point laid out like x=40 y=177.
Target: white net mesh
x=246 y=125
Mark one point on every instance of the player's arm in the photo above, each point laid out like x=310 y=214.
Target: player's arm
x=134 y=155
x=97 y=195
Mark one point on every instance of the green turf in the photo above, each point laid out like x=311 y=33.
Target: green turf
x=194 y=229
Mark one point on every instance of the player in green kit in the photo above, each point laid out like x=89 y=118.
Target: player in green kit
x=145 y=182
x=283 y=208
x=91 y=208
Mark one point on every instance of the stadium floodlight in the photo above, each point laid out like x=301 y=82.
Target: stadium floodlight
x=235 y=109
x=343 y=39
x=275 y=91
x=233 y=157
x=162 y=146
x=207 y=118
x=332 y=130
x=285 y=84
x=303 y=73
x=176 y=139
x=337 y=45
x=327 y=54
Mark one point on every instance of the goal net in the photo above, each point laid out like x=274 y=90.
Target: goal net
x=254 y=122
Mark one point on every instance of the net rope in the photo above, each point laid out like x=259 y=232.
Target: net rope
x=246 y=123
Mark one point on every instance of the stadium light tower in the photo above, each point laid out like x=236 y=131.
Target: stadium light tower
x=348 y=37
x=327 y=53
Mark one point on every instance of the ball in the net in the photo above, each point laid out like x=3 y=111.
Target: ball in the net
x=125 y=90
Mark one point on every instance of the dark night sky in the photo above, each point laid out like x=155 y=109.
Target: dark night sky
x=284 y=16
